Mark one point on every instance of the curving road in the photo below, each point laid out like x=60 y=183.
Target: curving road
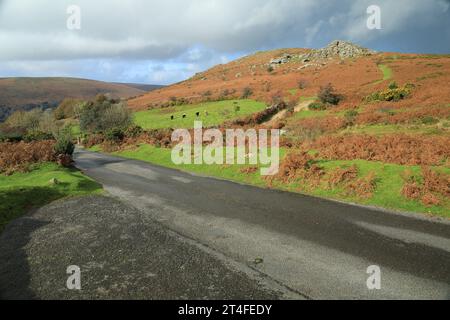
x=314 y=248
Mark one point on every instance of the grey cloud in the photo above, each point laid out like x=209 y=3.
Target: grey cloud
x=195 y=34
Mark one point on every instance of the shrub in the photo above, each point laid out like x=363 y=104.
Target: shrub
x=19 y=156
x=64 y=144
x=393 y=85
x=105 y=115
x=37 y=136
x=66 y=109
x=397 y=148
x=429 y=120
x=270 y=69
x=10 y=134
x=350 y=117
x=430 y=189
x=114 y=135
x=327 y=95
x=395 y=94
x=302 y=84
x=134 y=132
x=247 y=93
x=317 y=106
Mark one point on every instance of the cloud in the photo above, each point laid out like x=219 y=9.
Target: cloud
x=133 y=37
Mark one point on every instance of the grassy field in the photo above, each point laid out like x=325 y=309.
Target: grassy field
x=23 y=191
x=387 y=194
x=218 y=112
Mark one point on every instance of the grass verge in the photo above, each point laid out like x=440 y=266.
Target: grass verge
x=23 y=191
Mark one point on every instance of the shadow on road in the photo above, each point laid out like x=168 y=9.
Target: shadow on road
x=14 y=268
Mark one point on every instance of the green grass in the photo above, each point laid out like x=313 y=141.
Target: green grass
x=387 y=194
x=218 y=112
x=23 y=191
x=387 y=73
x=293 y=91
x=162 y=157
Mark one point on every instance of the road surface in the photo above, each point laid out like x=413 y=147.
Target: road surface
x=316 y=248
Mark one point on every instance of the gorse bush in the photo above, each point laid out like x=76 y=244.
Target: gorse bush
x=391 y=94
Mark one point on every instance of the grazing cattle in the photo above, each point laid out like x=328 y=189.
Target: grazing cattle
x=197 y=114
x=184 y=116
x=172 y=117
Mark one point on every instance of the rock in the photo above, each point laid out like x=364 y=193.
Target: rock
x=337 y=48
x=53 y=181
x=285 y=58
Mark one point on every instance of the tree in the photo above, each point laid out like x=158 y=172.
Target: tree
x=66 y=109
x=328 y=95
x=102 y=115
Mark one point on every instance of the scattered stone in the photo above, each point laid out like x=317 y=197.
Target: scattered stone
x=337 y=48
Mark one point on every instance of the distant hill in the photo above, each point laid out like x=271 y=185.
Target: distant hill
x=29 y=93
x=142 y=86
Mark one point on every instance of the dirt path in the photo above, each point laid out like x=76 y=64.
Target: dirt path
x=283 y=113
x=302 y=106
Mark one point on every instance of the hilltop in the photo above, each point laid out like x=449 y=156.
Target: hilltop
x=354 y=71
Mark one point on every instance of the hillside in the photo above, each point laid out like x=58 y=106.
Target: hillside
x=28 y=93
x=355 y=72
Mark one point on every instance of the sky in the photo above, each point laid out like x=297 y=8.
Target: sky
x=162 y=42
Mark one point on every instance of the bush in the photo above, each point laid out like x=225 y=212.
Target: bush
x=302 y=84
x=134 y=132
x=317 y=106
x=64 y=144
x=327 y=95
x=350 y=117
x=247 y=93
x=66 y=109
x=393 y=85
x=427 y=120
x=37 y=136
x=391 y=94
x=105 y=115
x=114 y=135
x=9 y=134
x=19 y=156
